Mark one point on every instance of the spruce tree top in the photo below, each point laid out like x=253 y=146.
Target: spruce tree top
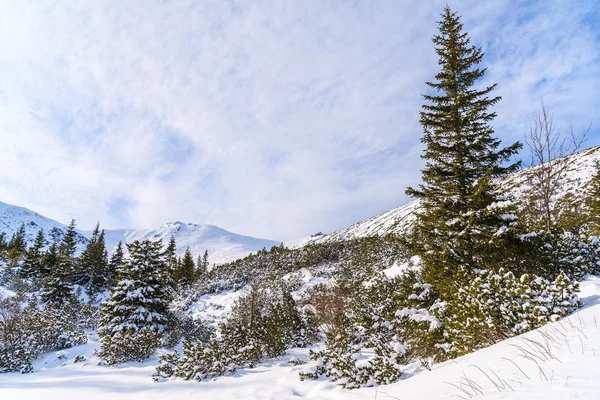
x=460 y=148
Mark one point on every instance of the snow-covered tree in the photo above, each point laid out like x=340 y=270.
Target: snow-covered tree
x=92 y=270
x=134 y=319
x=185 y=273
x=58 y=288
x=115 y=263
x=32 y=265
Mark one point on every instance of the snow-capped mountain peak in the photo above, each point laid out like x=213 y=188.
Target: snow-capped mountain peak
x=222 y=245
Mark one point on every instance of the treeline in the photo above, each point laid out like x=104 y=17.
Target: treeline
x=56 y=268
x=58 y=295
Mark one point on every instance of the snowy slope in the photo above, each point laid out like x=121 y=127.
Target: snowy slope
x=558 y=361
x=222 y=245
x=399 y=219
x=11 y=218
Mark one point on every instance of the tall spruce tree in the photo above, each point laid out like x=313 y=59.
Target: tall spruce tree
x=50 y=260
x=171 y=254
x=93 y=271
x=172 y=262
x=17 y=247
x=134 y=318
x=202 y=265
x=3 y=246
x=58 y=289
x=459 y=199
x=186 y=270
x=115 y=263
x=32 y=265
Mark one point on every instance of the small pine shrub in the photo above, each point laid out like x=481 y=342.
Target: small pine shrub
x=27 y=332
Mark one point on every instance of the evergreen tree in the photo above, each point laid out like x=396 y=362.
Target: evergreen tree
x=68 y=244
x=115 y=264
x=202 y=265
x=50 y=260
x=93 y=270
x=205 y=261
x=593 y=202
x=186 y=270
x=3 y=246
x=460 y=203
x=32 y=265
x=134 y=319
x=171 y=260
x=58 y=289
x=17 y=246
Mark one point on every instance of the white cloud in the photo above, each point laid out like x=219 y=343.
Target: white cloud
x=274 y=119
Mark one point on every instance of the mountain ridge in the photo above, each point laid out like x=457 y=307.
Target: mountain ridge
x=222 y=245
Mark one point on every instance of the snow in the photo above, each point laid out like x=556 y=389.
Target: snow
x=4 y=293
x=514 y=369
x=212 y=307
x=398 y=268
x=222 y=245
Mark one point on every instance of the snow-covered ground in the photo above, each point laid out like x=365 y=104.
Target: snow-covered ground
x=558 y=361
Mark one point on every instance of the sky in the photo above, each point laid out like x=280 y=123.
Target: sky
x=275 y=119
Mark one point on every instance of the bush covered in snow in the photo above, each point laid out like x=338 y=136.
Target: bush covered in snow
x=263 y=324
x=26 y=332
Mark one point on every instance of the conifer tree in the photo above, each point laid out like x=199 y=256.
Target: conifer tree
x=3 y=246
x=58 y=289
x=115 y=264
x=171 y=260
x=93 y=269
x=592 y=201
x=202 y=265
x=17 y=246
x=68 y=244
x=32 y=265
x=186 y=270
x=205 y=261
x=134 y=319
x=50 y=260
x=458 y=197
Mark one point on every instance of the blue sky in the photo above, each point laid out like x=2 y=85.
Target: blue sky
x=269 y=118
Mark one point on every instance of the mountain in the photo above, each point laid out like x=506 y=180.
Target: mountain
x=400 y=219
x=222 y=245
x=12 y=217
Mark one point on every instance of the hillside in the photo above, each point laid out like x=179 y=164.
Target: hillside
x=517 y=368
x=399 y=219
x=221 y=244
x=12 y=217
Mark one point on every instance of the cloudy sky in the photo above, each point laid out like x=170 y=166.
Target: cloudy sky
x=269 y=118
